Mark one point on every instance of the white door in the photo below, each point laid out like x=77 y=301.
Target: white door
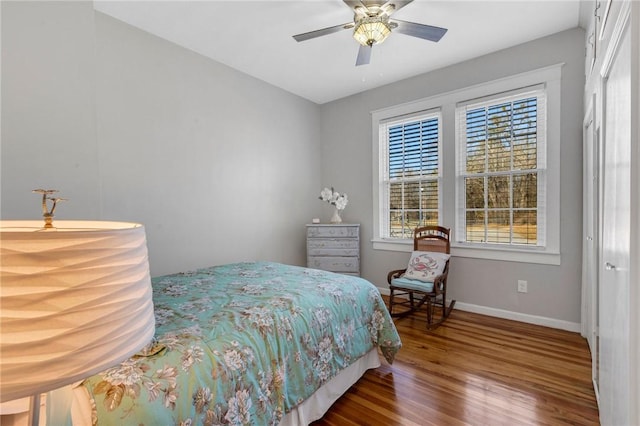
x=615 y=371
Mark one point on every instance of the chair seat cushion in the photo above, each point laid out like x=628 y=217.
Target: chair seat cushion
x=410 y=284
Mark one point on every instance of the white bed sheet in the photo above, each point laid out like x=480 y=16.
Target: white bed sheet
x=314 y=407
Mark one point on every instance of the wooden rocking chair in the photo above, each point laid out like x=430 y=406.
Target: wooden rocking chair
x=431 y=287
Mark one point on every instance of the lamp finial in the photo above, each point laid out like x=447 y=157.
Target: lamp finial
x=46 y=213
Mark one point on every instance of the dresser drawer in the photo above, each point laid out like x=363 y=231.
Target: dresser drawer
x=334 y=263
x=332 y=252
x=333 y=231
x=333 y=247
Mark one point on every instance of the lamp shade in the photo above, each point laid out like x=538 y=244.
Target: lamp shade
x=75 y=300
x=372 y=30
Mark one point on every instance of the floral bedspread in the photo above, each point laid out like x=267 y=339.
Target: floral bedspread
x=242 y=344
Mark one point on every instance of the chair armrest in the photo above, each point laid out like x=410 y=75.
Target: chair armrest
x=441 y=279
x=395 y=274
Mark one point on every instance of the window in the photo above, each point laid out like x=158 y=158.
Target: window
x=482 y=160
x=501 y=173
x=411 y=176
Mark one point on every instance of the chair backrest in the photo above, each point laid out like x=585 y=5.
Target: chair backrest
x=432 y=238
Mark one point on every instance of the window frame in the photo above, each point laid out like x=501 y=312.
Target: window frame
x=387 y=180
x=550 y=78
x=539 y=93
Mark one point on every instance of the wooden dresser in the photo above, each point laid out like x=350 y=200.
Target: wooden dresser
x=334 y=247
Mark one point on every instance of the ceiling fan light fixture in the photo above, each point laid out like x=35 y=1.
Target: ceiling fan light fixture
x=372 y=30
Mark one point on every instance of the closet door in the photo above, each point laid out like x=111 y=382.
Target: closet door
x=615 y=363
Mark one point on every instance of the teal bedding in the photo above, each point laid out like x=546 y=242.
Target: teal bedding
x=242 y=344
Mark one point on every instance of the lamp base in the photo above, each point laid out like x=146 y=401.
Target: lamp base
x=34 y=410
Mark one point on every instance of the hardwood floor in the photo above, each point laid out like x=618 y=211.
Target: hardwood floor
x=475 y=370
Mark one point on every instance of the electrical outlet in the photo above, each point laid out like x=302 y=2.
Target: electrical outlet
x=522 y=286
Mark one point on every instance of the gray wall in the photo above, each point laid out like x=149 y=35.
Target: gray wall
x=219 y=166
x=554 y=291
x=48 y=108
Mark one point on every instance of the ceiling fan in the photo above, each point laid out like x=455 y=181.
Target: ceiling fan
x=371 y=25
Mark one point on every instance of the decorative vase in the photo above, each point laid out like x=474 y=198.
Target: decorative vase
x=336 y=216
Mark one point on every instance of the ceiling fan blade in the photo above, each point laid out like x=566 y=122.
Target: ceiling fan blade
x=322 y=32
x=394 y=5
x=354 y=3
x=364 y=55
x=426 y=32
x=389 y=6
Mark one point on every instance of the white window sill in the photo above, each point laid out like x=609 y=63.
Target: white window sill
x=491 y=253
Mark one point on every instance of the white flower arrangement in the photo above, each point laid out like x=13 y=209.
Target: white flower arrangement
x=334 y=198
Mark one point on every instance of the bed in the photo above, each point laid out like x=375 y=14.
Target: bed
x=246 y=343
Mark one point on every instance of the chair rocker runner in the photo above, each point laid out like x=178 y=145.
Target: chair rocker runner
x=424 y=278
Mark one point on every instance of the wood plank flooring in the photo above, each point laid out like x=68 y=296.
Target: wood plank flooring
x=475 y=370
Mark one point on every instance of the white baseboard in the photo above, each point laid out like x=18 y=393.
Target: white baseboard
x=510 y=315
x=517 y=316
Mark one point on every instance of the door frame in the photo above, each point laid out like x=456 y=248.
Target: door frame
x=592 y=170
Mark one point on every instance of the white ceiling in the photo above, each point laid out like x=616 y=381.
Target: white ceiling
x=255 y=37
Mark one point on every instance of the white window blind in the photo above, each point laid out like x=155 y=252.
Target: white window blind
x=410 y=172
x=501 y=170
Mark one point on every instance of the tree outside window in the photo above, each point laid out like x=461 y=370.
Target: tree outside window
x=501 y=171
